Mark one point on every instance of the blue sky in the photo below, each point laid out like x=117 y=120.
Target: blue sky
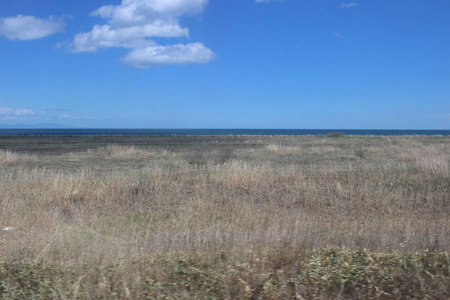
x=300 y=64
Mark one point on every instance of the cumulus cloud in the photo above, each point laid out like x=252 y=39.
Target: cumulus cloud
x=24 y=28
x=134 y=23
x=195 y=53
x=141 y=12
x=130 y=37
x=348 y=5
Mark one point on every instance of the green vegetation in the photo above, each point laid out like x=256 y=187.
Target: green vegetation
x=335 y=134
x=232 y=217
x=326 y=274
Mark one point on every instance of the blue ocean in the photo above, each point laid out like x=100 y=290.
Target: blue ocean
x=217 y=132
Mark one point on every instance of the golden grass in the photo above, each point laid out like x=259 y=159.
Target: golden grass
x=386 y=194
x=10 y=157
x=371 y=202
x=298 y=149
x=124 y=151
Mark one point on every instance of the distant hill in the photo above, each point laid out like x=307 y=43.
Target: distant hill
x=36 y=126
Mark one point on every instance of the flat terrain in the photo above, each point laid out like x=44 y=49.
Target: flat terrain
x=251 y=217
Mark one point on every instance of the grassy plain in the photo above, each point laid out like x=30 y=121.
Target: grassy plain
x=226 y=217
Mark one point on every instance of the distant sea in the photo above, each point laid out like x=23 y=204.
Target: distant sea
x=163 y=132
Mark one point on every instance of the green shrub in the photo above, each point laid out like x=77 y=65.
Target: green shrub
x=334 y=273
x=335 y=134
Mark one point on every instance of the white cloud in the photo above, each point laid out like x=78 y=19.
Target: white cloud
x=348 y=5
x=195 y=53
x=66 y=116
x=102 y=36
x=134 y=23
x=14 y=114
x=49 y=115
x=141 y=12
x=21 y=112
x=4 y=111
x=29 y=28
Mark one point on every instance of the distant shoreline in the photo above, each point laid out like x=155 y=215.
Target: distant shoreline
x=216 y=132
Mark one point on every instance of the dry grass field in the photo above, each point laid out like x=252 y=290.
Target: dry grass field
x=249 y=217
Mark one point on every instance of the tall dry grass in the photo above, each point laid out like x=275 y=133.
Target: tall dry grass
x=133 y=221
x=393 y=196
x=10 y=157
x=124 y=151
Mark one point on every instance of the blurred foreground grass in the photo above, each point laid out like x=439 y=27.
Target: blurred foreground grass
x=324 y=274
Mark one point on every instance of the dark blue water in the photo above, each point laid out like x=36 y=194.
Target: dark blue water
x=216 y=132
